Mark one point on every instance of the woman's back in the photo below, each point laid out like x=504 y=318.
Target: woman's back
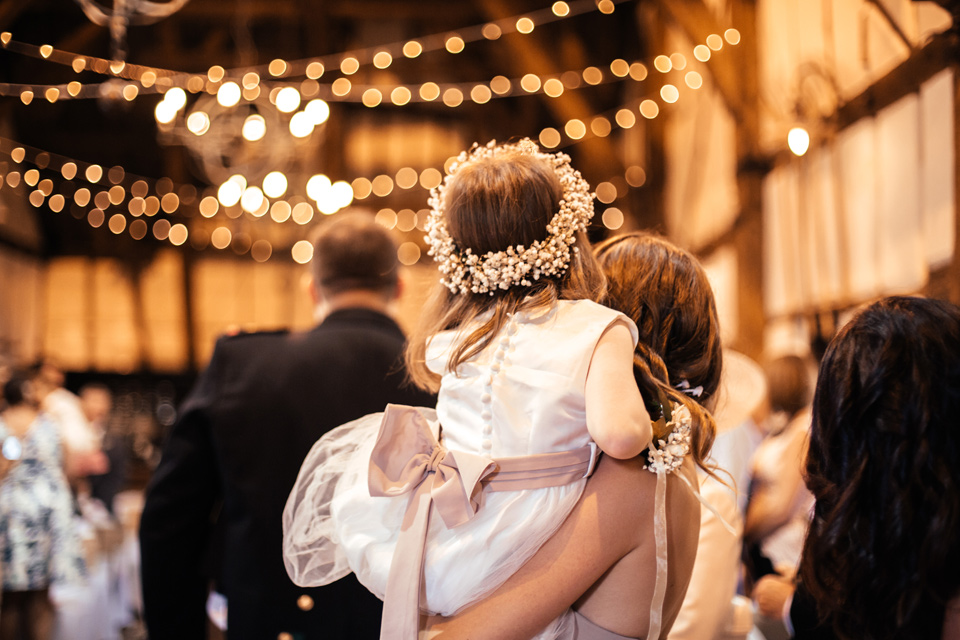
x=613 y=602
x=607 y=542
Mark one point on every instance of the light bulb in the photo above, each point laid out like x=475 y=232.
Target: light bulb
x=275 y=184
x=318 y=110
x=176 y=98
x=254 y=127
x=228 y=94
x=798 y=140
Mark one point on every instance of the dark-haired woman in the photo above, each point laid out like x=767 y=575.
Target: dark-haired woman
x=882 y=558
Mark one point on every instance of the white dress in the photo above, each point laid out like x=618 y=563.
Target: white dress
x=523 y=394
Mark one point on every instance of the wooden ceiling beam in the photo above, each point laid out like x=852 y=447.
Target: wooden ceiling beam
x=697 y=21
x=432 y=10
x=530 y=56
x=10 y=9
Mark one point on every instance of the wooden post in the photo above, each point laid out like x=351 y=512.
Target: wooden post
x=751 y=169
x=736 y=77
x=954 y=269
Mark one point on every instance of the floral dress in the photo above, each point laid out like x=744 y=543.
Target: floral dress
x=38 y=542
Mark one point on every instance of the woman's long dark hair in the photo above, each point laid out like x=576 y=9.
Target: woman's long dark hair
x=665 y=291
x=883 y=553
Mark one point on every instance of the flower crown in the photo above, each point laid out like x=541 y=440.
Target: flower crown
x=464 y=272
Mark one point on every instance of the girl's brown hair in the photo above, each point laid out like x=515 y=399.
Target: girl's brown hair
x=493 y=203
x=665 y=291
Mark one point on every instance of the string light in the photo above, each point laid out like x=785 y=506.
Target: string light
x=380 y=56
x=287 y=98
x=253 y=199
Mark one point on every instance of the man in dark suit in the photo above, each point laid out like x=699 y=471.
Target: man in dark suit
x=214 y=504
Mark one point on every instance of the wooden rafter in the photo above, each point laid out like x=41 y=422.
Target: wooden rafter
x=531 y=56
x=736 y=78
x=697 y=21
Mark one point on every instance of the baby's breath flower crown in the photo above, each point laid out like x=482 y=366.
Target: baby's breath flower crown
x=464 y=272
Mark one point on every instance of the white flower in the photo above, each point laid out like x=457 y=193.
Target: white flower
x=667 y=455
x=465 y=272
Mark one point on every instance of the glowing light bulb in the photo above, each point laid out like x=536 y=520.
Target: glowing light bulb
x=342 y=193
x=176 y=98
x=254 y=127
x=318 y=110
x=229 y=193
x=198 y=123
x=288 y=99
x=252 y=199
x=301 y=125
x=798 y=140
x=317 y=185
x=275 y=184
x=228 y=94
x=164 y=112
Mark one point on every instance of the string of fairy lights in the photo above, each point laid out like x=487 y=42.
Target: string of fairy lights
x=125 y=203
x=154 y=79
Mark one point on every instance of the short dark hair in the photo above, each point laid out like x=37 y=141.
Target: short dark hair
x=15 y=390
x=353 y=252
x=788 y=383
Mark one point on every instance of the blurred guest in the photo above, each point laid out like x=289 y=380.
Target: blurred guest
x=779 y=506
x=96 y=400
x=881 y=559
x=234 y=452
x=38 y=543
x=711 y=608
x=741 y=410
x=82 y=453
x=6 y=370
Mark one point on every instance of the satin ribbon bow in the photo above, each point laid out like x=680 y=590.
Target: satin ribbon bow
x=407 y=458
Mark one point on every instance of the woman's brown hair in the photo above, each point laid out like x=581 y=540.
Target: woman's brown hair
x=493 y=203
x=665 y=291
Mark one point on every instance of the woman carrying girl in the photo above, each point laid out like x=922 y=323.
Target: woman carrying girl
x=601 y=570
x=533 y=377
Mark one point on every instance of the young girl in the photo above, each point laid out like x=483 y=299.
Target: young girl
x=531 y=372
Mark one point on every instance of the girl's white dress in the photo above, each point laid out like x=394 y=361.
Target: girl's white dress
x=523 y=394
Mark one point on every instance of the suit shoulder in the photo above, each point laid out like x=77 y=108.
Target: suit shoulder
x=242 y=340
x=234 y=336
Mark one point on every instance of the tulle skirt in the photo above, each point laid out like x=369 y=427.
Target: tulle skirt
x=332 y=526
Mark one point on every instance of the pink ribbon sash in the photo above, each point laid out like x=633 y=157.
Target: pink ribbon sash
x=407 y=458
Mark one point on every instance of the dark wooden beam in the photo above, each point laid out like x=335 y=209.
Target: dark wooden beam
x=17 y=245
x=461 y=12
x=736 y=73
x=10 y=9
x=954 y=268
x=906 y=78
x=751 y=170
x=252 y=9
x=531 y=54
x=696 y=19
